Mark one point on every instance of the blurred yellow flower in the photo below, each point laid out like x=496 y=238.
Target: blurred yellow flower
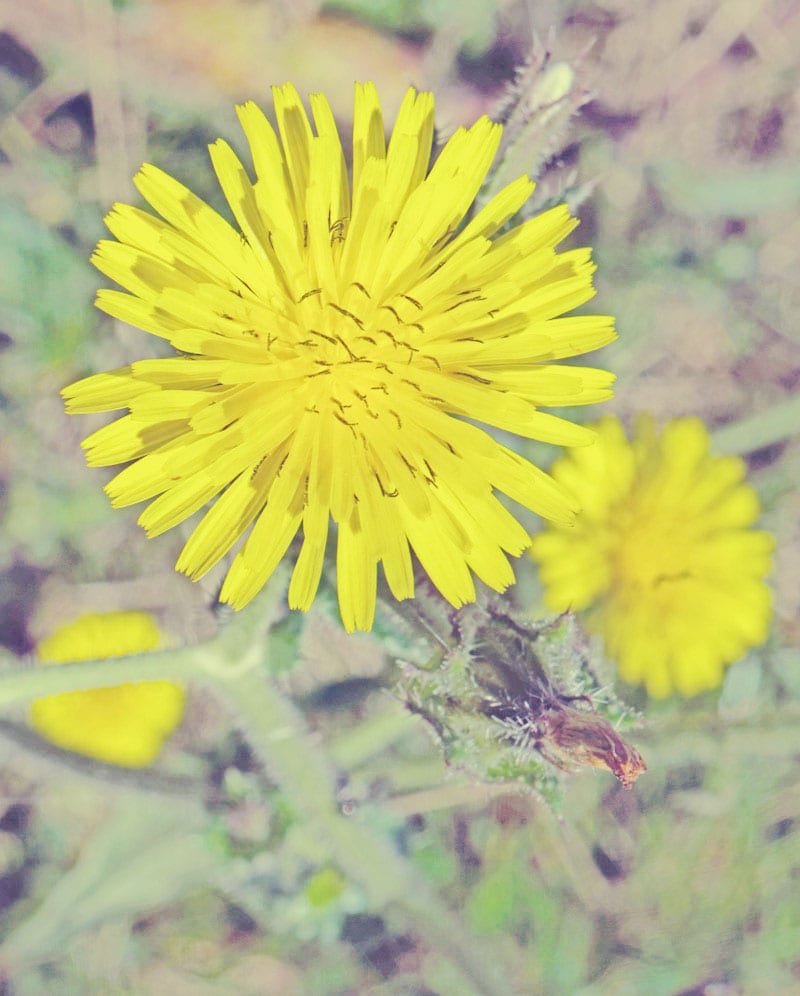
x=662 y=556
x=332 y=349
x=124 y=724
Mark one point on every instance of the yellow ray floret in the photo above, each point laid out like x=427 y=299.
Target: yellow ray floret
x=662 y=556
x=332 y=345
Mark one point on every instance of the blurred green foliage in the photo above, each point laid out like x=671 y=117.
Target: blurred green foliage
x=49 y=324
x=474 y=20
x=686 y=884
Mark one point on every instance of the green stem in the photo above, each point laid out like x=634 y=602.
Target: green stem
x=138 y=780
x=373 y=735
x=22 y=685
x=755 y=431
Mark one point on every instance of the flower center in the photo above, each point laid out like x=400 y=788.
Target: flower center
x=363 y=355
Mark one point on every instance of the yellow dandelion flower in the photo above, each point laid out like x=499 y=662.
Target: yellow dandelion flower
x=332 y=350
x=123 y=724
x=662 y=556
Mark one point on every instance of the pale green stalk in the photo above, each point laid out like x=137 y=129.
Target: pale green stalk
x=22 y=685
x=755 y=431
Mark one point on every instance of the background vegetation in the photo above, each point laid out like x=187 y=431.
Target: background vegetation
x=200 y=876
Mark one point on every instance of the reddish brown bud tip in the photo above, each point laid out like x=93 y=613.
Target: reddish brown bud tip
x=572 y=738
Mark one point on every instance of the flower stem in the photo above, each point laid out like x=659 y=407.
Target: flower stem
x=20 y=685
x=755 y=431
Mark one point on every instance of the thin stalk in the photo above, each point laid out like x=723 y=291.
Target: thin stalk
x=373 y=736
x=150 y=780
x=756 y=431
x=24 y=684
